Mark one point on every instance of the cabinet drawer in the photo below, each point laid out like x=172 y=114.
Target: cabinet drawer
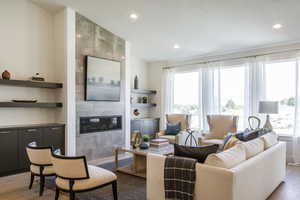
x=54 y=137
x=27 y=136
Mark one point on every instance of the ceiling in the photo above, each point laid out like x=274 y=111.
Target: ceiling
x=200 y=27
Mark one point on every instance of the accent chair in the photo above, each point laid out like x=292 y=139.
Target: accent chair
x=219 y=126
x=75 y=176
x=40 y=163
x=184 y=120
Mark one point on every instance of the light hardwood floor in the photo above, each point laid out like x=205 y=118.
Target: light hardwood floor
x=16 y=188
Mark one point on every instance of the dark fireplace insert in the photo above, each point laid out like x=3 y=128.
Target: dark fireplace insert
x=100 y=123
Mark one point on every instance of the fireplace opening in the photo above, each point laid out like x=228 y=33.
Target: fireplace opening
x=100 y=124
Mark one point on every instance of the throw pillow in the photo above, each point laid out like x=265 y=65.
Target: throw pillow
x=173 y=128
x=199 y=153
x=269 y=139
x=253 y=147
x=227 y=159
x=231 y=142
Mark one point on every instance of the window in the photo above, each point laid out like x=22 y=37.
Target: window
x=186 y=95
x=232 y=81
x=281 y=87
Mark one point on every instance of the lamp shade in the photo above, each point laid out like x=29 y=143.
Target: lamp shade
x=268 y=107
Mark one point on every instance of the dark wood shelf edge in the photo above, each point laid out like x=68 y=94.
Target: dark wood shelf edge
x=146 y=118
x=143 y=105
x=142 y=91
x=28 y=83
x=30 y=105
x=42 y=125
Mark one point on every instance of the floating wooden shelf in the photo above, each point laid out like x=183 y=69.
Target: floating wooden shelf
x=143 y=105
x=140 y=91
x=30 y=105
x=35 y=84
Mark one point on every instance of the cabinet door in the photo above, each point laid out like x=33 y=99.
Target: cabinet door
x=27 y=136
x=54 y=137
x=8 y=150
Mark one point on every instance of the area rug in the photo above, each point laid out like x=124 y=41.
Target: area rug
x=129 y=187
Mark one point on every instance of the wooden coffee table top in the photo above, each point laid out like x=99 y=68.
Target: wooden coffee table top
x=163 y=150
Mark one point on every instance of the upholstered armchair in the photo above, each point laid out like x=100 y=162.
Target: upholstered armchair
x=40 y=163
x=75 y=176
x=184 y=120
x=219 y=126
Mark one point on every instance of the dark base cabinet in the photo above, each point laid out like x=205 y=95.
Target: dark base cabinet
x=13 y=142
x=147 y=126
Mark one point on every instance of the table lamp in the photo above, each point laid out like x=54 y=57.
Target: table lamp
x=268 y=107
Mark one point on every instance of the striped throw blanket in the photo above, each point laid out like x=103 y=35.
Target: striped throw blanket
x=179 y=178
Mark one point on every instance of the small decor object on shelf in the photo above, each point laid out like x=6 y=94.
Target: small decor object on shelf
x=37 y=77
x=6 y=75
x=136 y=139
x=136 y=83
x=33 y=100
x=136 y=112
x=145 y=99
x=140 y=100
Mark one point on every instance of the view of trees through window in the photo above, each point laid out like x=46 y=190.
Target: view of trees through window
x=232 y=92
x=281 y=87
x=186 y=95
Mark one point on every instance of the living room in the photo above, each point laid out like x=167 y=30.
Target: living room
x=103 y=99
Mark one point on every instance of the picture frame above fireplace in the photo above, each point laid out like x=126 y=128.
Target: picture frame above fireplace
x=103 y=79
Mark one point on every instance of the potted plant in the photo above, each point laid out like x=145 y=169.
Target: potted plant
x=146 y=142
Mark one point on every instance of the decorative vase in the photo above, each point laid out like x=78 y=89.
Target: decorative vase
x=136 y=83
x=6 y=75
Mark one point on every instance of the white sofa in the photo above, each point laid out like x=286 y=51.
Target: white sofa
x=252 y=179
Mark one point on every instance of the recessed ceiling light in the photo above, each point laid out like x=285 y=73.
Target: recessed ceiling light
x=176 y=46
x=78 y=35
x=277 y=26
x=133 y=16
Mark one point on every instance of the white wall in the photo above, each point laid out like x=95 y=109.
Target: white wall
x=139 y=68
x=26 y=47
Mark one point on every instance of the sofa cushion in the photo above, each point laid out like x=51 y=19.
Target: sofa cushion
x=233 y=140
x=253 y=147
x=98 y=177
x=173 y=128
x=47 y=170
x=269 y=139
x=228 y=158
x=199 y=153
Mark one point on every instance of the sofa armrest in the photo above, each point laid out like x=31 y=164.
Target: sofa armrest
x=160 y=133
x=213 y=183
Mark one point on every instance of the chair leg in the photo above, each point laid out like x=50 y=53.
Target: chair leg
x=56 y=193
x=115 y=190
x=42 y=184
x=72 y=195
x=31 y=180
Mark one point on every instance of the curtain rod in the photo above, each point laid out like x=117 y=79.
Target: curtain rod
x=227 y=59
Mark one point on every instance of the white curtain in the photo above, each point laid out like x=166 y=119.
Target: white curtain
x=296 y=138
x=254 y=86
x=167 y=95
x=210 y=77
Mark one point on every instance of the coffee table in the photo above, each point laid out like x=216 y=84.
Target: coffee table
x=139 y=165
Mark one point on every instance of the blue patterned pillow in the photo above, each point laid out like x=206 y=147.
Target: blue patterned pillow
x=173 y=128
